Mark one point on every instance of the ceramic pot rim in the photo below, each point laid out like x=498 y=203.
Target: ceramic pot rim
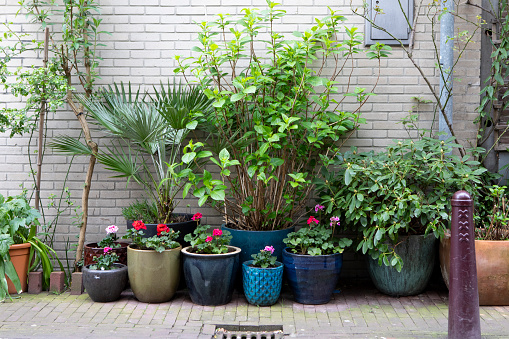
x=257 y=231
x=120 y=266
x=247 y=262
x=94 y=245
x=185 y=250
x=130 y=248
x=20 y=246
x=310 y=256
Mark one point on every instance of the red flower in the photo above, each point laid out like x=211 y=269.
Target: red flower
x=197 y=216
x=138 y=225
x=217 y=232
x=162 y=228
x=312 y=219
x=209 y=239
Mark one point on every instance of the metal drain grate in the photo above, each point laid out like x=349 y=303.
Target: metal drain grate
x=248 y=332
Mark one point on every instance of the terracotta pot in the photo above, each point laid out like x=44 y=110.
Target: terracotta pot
x=20 y=258
x=492 y=262
x=154 y=276
x=92 y=250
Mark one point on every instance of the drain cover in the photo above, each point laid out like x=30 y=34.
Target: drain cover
x=248 y=332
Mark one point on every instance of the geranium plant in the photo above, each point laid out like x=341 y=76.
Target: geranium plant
x=206 y=241
x=110 y=239
x=105 y=261
x=165 y=238
x=317 y=238
x=276 y=111
x=264 y=258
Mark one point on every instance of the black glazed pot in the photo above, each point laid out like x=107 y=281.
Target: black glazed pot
x=105 y=286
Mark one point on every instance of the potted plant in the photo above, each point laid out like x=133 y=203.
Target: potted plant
x=105 y=279
x=275 y=113
x=398 y=200
x=154 y=263
x=19 y=243
x=148 y=132
x=313 y=260
x=110 y=241
x=262 y=278
x=210 y=266
x=491 y=246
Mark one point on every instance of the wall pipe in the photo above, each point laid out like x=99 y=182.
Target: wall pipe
x=446 y=63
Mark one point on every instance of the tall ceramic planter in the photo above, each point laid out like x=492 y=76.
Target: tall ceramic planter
x=185 y=227
x=492 y=262
x=210 y=278
x=312 y=278
x=154 y=277
x=105 y=286
x=20 y=257
x=262 y=286
x=418 y=254
x=92 y=250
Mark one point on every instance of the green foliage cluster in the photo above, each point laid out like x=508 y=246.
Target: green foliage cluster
x=141 y=210
x=276 y=111
x=491 y=216
x=203 y=240
x=105 y=262
x=403 y=190
x=18 y=224
x=264 y=259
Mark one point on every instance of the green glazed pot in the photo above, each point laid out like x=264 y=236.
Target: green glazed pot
x=154 y=276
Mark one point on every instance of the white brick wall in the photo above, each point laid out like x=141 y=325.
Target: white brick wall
x=146 y=34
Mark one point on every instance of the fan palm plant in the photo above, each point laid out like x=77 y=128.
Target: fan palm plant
x=149 y=133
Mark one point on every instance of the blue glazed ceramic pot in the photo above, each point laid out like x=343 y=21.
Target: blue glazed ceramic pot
x=262 y=286
x=312 y=278
x=418 y=254
x=210 y=278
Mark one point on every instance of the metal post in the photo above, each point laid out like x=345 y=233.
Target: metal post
x=464 y=318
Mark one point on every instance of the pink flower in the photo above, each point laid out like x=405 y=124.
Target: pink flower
x=217 y=232
x=334 y=221
x=209 y=239
x=107 y=249
x=138 y=225
x=269 y=249
x=111 y=229
x=312 y=219
x=197 y=216
x=319 y=207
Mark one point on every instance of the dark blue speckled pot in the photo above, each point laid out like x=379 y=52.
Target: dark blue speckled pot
x=312 y=278
x=262 y=286
x=210 y=278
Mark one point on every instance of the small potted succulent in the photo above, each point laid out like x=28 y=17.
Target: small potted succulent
x=262 y=278
x=105 y=279
x=154 y=263
x=210 y=266
x=110 y=240
x=313 y=260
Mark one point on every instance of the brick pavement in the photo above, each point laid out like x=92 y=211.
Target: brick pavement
x=356 y=312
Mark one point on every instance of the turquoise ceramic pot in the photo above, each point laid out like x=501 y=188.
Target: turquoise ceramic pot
x=262 y=286
x=418 y=254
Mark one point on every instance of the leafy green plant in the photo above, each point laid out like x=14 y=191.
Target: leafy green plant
x=105 y=261
x=275 y=112
x=492 y=214
x=264 y=258
x=205 y=241
x=317 y=238
x=149 y=135
x=110 y=240
x=18 y=224
x=403 y=190
x=165 y=238
x=141 y=210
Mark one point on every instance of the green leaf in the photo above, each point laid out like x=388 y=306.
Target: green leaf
x=186 y=190
x=250 y=90
x=217 y=195
x=237 y=97
x=192 y=125
x=202 y=200
x=188 y=157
